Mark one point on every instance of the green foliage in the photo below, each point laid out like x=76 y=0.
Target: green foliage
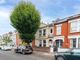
x=6 y=39
x=25 y=18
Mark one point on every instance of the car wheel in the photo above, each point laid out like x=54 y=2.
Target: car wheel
x=23 y=52
x=60 y=58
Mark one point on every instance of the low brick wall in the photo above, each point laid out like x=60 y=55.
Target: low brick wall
x=63 y=49
x=42 y=49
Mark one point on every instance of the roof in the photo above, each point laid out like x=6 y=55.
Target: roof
x=66 y=19
x=47 y=25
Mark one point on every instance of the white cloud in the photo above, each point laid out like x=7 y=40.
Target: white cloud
x=4 y=14
x=46 y=19
x=5 y=20
x=42 y=5
x=2 y=1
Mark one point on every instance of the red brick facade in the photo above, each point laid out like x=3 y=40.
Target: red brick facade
x=65 y=30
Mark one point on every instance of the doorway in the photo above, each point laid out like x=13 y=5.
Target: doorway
x=59 y=43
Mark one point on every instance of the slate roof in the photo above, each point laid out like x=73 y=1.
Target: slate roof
x=66 y=19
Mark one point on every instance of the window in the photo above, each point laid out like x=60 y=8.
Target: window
x=73 y=26
x=44 y=32
x=59 y=43
x=51 y=30
x=78 y=42
x=50 y=42
x=40 y=32
x=79 y=26
x=40 y=44
x=73 y=43
x=58 y=30
x=44 y=43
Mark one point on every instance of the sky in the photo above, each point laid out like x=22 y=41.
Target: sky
x=49 y=10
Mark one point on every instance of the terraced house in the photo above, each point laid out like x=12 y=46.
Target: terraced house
x=67 y=32
x=64 y=32
x=44 y=35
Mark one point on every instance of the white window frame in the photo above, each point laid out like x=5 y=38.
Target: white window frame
x=58 y=29
x=40 y=33
x=77 y=25
x=79 y=42
x=44 y=33
x=73 y=27
x=71 y=43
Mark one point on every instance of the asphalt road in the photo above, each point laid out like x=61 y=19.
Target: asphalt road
x=8 y=55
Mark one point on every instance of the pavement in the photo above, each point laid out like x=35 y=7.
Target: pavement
x=10 y=55
x=46 y=54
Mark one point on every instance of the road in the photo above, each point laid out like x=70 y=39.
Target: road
x=8 y=55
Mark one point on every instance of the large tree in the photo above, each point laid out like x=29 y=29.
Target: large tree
x=25 y=18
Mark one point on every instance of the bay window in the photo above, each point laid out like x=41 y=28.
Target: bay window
x=79 y=26
x=73 y=27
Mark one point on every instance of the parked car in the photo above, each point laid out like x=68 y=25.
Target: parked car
x=24 y=49
x=1 y=47
x=6 y=48
x=71 y=54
